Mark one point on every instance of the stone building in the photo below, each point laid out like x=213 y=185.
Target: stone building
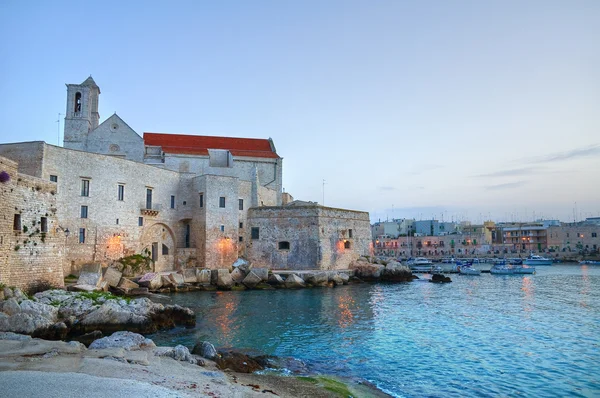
x=305 y=235
x=183 y=199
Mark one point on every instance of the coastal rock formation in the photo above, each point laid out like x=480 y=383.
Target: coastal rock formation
x=237 y=362
x=396 y=272
x=223 y=279
x=205 y=349
x=439 y=278
x=317 y=279
x=294 y=281
x=178 y=353
x=237 y=275
x=126 y=340
x=251 y=280
x=275 y=280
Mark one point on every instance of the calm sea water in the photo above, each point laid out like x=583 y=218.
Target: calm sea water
x=534 y=335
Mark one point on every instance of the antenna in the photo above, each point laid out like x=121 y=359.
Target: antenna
x=323 y=192
x=58 y=130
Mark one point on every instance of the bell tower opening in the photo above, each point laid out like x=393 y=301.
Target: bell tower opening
x=77 y=102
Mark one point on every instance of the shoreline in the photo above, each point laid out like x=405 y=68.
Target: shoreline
x=70 y=366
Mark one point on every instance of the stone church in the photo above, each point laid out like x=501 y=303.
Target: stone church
x=182 y=199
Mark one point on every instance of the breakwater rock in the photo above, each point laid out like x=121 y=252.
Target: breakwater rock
x=58 y=314
x=391 y=271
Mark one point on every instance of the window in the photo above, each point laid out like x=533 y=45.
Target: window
x=117 y=221
x=77 y=105
x=222 y=228
x=567 y=234
x=222 y=201
x=154 y=251
x=254 y=233
x=84 y=212
x=241 y=225
x=165 y=250
x=85 y=187
x=187 y=235
x=53 y=178
x=184 y=203
x=148 y=198
x=140 y=221
x=347 y=244
x=121 y=192
x=201 y=200
x=17 y=222
x=284 y=245
x=241 y=239
x=172 y=201
x=241 y=204
x=594 y=235
x=350 y=233
x=44 y=224
x=578 y=235
x=81 y=235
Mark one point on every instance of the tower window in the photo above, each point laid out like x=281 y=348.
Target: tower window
x=85 y=187
x=44 y=224
x=222 y=201
x=81 y=235
x=17 y=222
x=172 y=201
x=347 y=244
x=241 y=204
x=284 y=245
x=140 y=221
x=222 y=228
x=201 y=200
x=77 y=108
x=84 y=212
x=53 y=178
x=121 y=192
x=350 y=233
x=254 y=233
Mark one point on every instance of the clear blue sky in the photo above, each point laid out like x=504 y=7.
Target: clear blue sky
x=466 y=109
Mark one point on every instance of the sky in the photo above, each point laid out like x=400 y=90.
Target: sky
x=449 y=109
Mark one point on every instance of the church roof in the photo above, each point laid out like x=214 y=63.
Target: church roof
x=200 y=144
x=90 y=82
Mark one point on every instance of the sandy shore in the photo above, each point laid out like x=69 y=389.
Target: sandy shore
x=35 y=367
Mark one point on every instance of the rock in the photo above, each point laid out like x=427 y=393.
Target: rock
x=242 y=265
x=345 y=278
x=337 y=279
x=318 y=279
x=1 y=294
x=103 y=286
x=88 y=338
x=179 y=353
x=251 y=280
x=275 y=280
x=262 y=273
x=127 y=285
x=126 y=340
x=439 y=278
x=189 y=275
x=151 y=280
x=293 y=365
x=237 y=362
x=224 y=280
x=205 y=350
x=294 y=281
x=24 y=323
x=367 y=271
x=176 y=279
x=91 y=274
x=14 y=336
x=39 y=309
x=18 y=294
x=8 y=293
x=10 y=306
x=112 y=276
x=396 y=272
x=203 y=276
x=166 y=281
x=237 y=275
x=84 y=288
x=138 y=291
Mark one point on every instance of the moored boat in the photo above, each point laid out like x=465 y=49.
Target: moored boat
x=511 y=269
x=420 y=264
x=469 y=270
x=589 y=262
x=537 y=260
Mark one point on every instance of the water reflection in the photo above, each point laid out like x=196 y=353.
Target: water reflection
x=345 y=306
x=528 y=288
x=585 y=286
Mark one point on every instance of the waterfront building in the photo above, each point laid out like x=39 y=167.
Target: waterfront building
x=579 y=238
x=182 y=199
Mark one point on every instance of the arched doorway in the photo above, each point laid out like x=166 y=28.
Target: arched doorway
x=159 y=240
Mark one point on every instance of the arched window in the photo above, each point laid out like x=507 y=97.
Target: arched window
x=347 y=244
x=77 y=102
x=165 y=250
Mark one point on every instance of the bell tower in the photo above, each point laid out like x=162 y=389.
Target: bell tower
x=82 y=115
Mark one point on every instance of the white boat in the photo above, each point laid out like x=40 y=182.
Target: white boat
x=468 y=270
x=511 y=269
x=589 y=262
x=420 y=264
x=537 y=260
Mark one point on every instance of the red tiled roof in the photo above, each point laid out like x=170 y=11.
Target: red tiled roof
x=200 y=144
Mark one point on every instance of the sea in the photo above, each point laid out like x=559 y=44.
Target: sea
x=479 y=336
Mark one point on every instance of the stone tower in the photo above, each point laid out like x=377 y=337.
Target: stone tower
x=82 y=115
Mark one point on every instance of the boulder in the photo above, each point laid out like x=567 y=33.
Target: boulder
x=24 y=323
x=39 y=309
x=189 y=275
x=88 y=338
x=14 y=336
x=242 y=265
x=439 y=278
x=166 y=282
x=126 y=340
x=8 y=293
x=151 y=280
x=91 y=274
x=275 y=280
x=262 y=273
x=138 y=291
x=337 y=279
x=345 y=278
x=18 y=294
x=176 y=278
x=367 y=271
x=251 y=280
x=294 y=281
x=203 y=276
x=10 y=306
x=103 y=286
x=127 y=285
x=205 y=350
x=237 y=362
x=396 y=272
x=178 y=353
x=318 y=279
x=224 y=280
x=112 y=276
x=237 y=275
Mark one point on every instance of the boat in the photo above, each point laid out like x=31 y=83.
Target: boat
x=467 y=269
x=537 y=260
x=511 y=269
x=420 y=264
x=589 y=262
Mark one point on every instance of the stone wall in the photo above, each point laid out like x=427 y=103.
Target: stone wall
x=310 y=237
x=30 y=252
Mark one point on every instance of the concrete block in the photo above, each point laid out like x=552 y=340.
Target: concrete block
x=251 y=280
x=189 y=275
x=112 y=276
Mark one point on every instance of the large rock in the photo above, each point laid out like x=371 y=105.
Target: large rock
x=112 y=276
x=242 y=265
x=176 y=278
x=8 y=293
x=10 y=306
x=166 y=281
x=24 y=324
x=205 y=349
x=396 y=272
x=318 y=279
x=237 y=361
x=237 y=275
x=126 y=340
x=35 y=308
x=224 y=280
x=275 y=280
x=345 y=278
x=203 y=276
x=84 y=288
x=19 y=295
x=262 y=273
x=151 y=280
x=189 y=275
x=127 y=285
x=251 y=280
x=179 y=353
x=367 y=271
x=337 y=279
x=91 y=274
x=294 y=281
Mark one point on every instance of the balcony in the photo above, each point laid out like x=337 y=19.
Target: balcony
x=151 y=211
